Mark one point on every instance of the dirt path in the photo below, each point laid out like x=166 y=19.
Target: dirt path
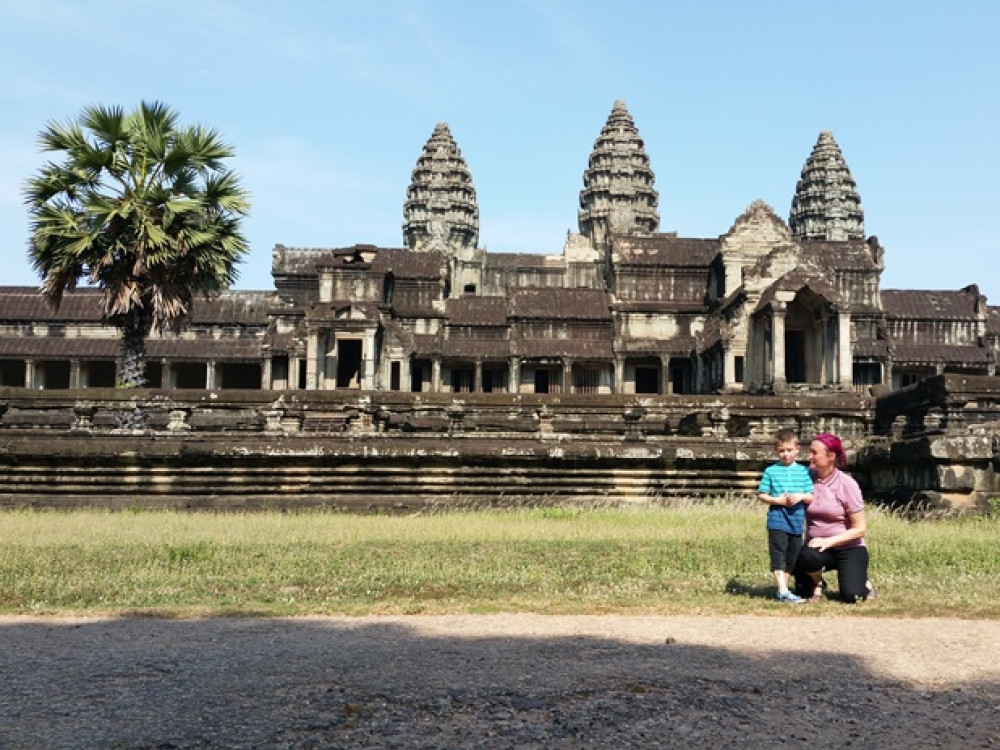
x=500 y=681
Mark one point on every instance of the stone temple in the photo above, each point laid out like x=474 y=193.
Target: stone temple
x=769 y=306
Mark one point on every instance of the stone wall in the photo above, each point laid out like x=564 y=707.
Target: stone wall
x=935 y=443
x=361 y=450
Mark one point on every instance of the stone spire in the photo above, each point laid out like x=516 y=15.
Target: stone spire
x=441 y=212
x=618 y=195
x=826 y=205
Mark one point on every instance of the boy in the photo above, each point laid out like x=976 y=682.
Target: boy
x=786 y=488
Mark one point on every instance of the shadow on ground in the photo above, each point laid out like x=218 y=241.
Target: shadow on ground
x=341 y=683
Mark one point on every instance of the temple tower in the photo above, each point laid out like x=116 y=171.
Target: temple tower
x=441 y=212
x=618 y=195
x=826 y=205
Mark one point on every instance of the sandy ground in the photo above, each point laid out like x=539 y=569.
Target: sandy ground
x=500 y=681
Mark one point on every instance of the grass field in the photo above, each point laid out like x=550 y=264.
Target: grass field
x=687 y=558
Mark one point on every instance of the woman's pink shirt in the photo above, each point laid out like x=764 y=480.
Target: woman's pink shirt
x=834 y=499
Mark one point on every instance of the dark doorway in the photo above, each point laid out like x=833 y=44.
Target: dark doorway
x=12 y=373
x=240 y=375
x=680 y=377
x=541 y=381
x=394 y=376
x=795 y=356
x=349 y=363
x=647 y=379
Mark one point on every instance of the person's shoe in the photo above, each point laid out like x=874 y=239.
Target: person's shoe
x=871 y=590
x=789 y=598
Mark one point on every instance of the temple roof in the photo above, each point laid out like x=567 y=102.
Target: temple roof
x=666 y=250
x=826 y=204
x=477 y=311
x=931 y=304
x=579 y=304
x=934 y=354
x=84 y=306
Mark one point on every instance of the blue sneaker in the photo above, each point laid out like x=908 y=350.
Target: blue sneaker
x=789 y=598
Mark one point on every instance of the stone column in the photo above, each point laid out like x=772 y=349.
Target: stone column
x=728 y=366
x=294 y=365
x=778 y=348
x=436 y=375
x=313 y=374
x=665 y=387
x=74 y=373
x=210 y=375
x=265 y=373
x=477 y=385
x=515 y=375
x=619 y=383
x=166 y=374
x=368 y=362
x=29 y=373
x=406 y=374
x=845 y=358
x=567 y=386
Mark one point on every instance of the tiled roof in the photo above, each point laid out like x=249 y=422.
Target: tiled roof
x=524 y=260
x=84 y=306
x=574 y=348
x=666 y=250
x=847 y=254
x=942 y=305
x=306 y=261
x=578 y=304
x=492 y=349
x=940 y=354
x=875 y=349
x=27 y=304
x=38 y=347
x=477 y=311
x=409 y=264
x=676 y=345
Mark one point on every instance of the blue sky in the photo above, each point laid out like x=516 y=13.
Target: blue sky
x=328 y=105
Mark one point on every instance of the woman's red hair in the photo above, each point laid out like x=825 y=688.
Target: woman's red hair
x=832 y=443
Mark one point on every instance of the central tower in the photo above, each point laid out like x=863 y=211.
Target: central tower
x=618 y=195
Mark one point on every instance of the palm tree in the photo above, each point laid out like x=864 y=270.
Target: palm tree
x=141 y=208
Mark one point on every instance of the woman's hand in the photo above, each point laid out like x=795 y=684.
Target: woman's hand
x=820 y=544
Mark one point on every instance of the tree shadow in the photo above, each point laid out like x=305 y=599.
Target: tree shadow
x=460 y=682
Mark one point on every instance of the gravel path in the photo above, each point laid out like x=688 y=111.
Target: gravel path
x=500 y=681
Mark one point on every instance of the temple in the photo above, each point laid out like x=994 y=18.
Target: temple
x=767 y=307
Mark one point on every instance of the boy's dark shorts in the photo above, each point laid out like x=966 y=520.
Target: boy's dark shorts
x=783 y=548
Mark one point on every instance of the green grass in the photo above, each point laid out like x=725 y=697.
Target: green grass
x=690 y=558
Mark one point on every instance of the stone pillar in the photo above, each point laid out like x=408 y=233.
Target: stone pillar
x=845 y=358
x=477 y=385
x=29 y=373
x=515 y=375
x=665 y=387
x=74 y=373
x=567 y=386
x=367 y=379
x=265 y=373
x=293 y=370
x=210 y=375
x=436 y=375
x=313 y=374
x=619 y=383
x=728 y=367
x=166 y=374
x=406 y=374
x=778 y=348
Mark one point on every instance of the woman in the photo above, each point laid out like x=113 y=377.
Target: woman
x=835 y=527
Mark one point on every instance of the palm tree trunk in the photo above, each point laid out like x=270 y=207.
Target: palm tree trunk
x=132 y=417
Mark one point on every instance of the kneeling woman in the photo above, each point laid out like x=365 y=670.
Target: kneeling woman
x=835 y=527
